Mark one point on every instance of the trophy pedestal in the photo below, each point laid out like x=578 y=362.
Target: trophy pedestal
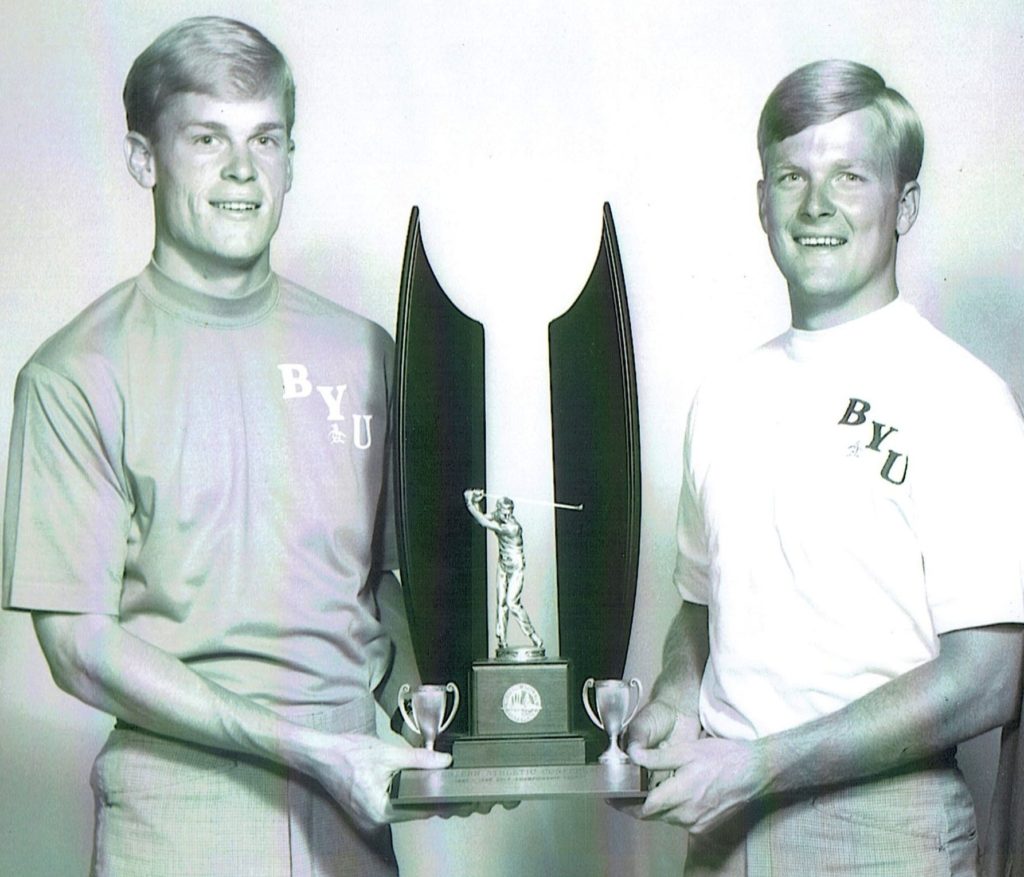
x=520 y=745
x=512 y=699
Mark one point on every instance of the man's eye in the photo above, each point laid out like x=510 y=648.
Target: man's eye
x=850 y=177
x=789 y=177
x=204 y=140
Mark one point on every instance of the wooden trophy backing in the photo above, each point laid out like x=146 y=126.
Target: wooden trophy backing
x=596 y=439
x=439 y=453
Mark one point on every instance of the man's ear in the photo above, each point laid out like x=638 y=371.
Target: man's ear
x=139 y=157
x=910 y=202
x=760 y=203
x=291 y=164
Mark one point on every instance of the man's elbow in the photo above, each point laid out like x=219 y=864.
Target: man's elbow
x=70 y=643
x=1004 y=674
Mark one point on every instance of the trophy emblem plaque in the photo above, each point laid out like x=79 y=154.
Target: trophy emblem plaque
x=526 y=732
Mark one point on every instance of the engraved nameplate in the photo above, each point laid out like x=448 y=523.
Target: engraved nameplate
x=456 y=785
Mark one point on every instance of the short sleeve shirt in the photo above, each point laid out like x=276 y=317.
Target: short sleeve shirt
x=848 y=495
x=213 y=472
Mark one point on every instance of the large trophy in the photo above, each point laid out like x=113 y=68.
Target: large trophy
x=529 y=730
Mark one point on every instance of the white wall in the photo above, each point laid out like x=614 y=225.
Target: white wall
x=509 y=123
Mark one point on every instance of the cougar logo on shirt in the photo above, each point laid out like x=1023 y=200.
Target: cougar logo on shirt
x=894 y=469
x=297 y=385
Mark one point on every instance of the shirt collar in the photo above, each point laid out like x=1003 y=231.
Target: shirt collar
x=206 y=309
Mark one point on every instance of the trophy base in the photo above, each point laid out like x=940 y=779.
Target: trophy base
x=462 y=785
x=518 y=751
x=519 y=698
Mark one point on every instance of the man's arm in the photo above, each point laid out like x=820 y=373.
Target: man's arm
x=93 y=658
x=473 y=499
x=672 y=714
x=973 y=685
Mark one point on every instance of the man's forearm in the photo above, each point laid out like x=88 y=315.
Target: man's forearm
x=684 y=657
x=93 y=658
x=971 y=687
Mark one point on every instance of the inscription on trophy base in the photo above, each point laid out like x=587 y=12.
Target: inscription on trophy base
x=465 y=785
x=512 y=751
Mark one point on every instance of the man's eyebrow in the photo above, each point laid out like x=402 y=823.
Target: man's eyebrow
x=268 y=127
x=211 y=125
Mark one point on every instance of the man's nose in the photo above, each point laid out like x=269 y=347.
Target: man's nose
x=239 y=166
x=817 y=200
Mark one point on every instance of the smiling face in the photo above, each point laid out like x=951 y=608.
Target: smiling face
x=832 y=211
x=219 y=170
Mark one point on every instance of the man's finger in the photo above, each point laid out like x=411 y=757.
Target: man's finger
x=662 y=802
x=641 y=733
x=423 y=759
x=667 y=758
x=653 y=724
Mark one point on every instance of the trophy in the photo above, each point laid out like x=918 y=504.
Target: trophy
x=613 y=712
x=428 y=704
x=526 y=733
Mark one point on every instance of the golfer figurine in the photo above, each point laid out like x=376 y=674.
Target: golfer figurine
x=510 y=574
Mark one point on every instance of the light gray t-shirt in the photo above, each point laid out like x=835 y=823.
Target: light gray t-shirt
x=213 y=472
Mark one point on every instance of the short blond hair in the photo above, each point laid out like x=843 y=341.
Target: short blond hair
x=205 y=55
x=822 y=91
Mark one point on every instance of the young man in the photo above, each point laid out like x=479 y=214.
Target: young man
x=196 y=512
x=849 y=551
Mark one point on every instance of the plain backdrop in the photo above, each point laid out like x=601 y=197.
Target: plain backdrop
x=509 y=124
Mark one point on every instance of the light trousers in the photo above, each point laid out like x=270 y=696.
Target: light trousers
x=915 y=824
x=165 y=808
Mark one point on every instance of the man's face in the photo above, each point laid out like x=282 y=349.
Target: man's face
x=831 y=209
x=221 y=169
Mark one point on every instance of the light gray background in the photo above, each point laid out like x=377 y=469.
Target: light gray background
x=509 y=123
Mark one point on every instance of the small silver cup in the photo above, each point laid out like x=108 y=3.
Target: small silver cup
x=428 y=704
x=613 y=712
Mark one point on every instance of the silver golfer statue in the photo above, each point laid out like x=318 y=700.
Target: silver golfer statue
x=510 y=574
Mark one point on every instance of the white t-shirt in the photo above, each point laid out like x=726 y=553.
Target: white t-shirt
x=848 y=495
x=213 y=473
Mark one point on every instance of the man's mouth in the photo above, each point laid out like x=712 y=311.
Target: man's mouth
x=820 y=241
x=236 y=206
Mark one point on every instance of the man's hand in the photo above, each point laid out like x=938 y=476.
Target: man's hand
x=708 y=779
x=660 y=725
x=656 y=727
x=473 y=496
x=711 y=780
x=357 y=770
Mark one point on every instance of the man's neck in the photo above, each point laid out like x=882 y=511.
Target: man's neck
x=812 y=314
x=216 y=278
